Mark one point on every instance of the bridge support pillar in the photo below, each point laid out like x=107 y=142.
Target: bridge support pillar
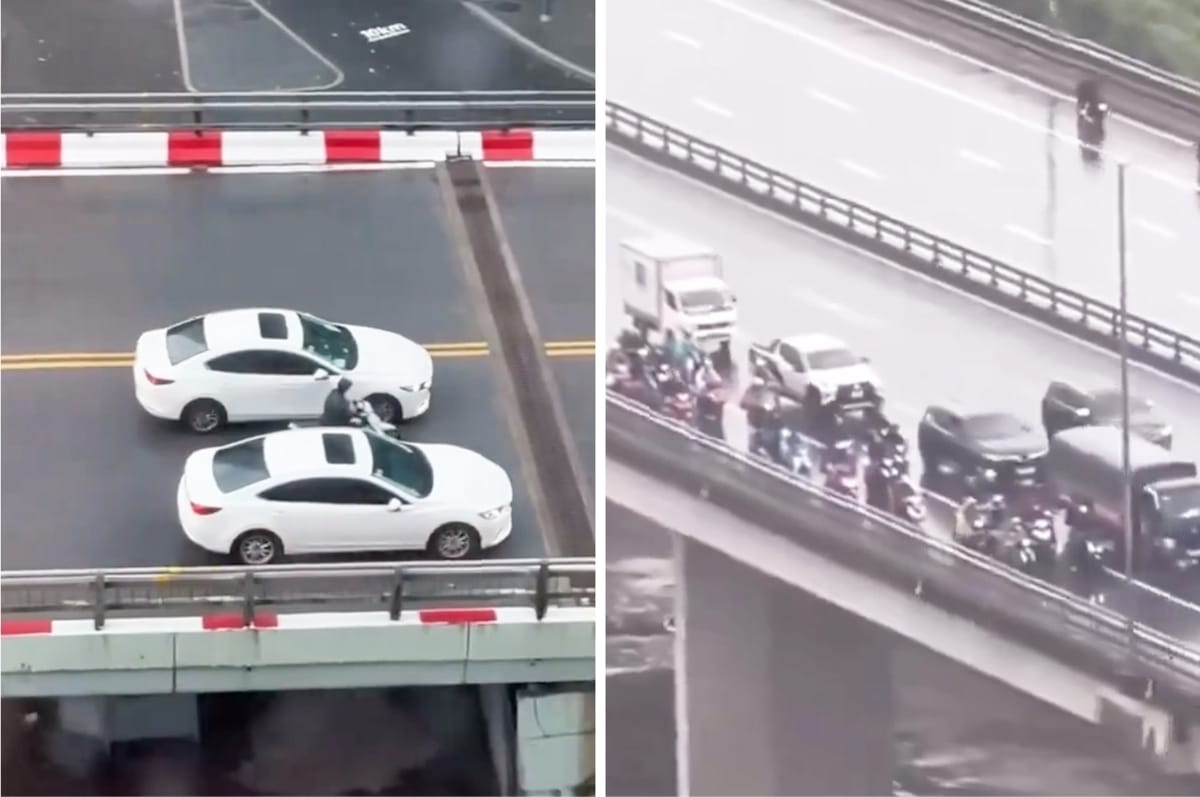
x=556 y=733
x=783 y=694
x=87 y=725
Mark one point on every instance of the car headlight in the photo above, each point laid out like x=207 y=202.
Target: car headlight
x=416 y=388
x=989 y=474
x=492 y=514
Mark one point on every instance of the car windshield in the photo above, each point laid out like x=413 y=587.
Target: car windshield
x=186 y=340
x=704 y=301
x=1181 y=509
x=993 y=427
x=240 y=465
x=329 y=341
x=1108 y=405
x=832 y=358
x=401 y=464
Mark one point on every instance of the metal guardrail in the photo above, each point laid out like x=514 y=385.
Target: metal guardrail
x=1089 y=636
x=1074 y=51
x=360 y=586
x=1097 y=322
x=1140 y=90
x=298 y=111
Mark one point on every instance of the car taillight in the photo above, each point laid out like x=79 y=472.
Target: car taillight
x=200 y=509
x=154 y=380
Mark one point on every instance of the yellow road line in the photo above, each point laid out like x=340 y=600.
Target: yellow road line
x=53 y=361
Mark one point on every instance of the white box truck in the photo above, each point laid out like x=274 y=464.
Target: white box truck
x=672 y=284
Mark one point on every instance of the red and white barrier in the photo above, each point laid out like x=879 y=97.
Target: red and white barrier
x=233 y=621
x=208 y=148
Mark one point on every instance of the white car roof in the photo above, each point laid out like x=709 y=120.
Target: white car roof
x=233 y=330
x=308 y=451
x=815 y=341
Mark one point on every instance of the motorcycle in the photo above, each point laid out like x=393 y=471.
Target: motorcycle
x=1089 y=125
x=680 y=405
x=907 y=502
x=364 y=415
x=841 y=469
x=710 y=410
x=794 y=454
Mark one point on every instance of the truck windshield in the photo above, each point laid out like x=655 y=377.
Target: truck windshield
x=1181 y=511
x=704 y=301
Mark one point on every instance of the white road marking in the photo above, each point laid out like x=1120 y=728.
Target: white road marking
x=927 y=279
x=933 y=86
x=632 y=219
x=984 y=65
x=859 y=169
x=682 y=38
x=712 y=107
x=850 y=314
x=148 y=171
x=1157 y=229
x=982 y=160
x=563 y=164
x=1028 y=235
x=309 y=168
x=829 y=99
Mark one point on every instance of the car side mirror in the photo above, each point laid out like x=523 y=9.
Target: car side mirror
x=395 y=505
x=320 y=375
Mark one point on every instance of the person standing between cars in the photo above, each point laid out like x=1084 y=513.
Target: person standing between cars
x=337 y=410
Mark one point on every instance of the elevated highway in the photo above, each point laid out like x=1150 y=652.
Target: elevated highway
x=881 y=117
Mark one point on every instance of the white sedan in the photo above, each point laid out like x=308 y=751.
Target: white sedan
x=264 y=364
x=342 y=490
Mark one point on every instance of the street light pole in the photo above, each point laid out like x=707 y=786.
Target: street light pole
x=1123 y=343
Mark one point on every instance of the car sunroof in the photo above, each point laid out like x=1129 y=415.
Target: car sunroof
x=273 y=326
x=339 y=448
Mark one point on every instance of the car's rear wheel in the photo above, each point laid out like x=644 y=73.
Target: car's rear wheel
x=203 y=416
x=258 y=547
x=455 y=541
x=387 y=408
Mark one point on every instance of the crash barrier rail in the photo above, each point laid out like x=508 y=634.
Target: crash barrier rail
x=1099 y=323
x=1090 y=637
x=1147 y=82
x=360 y=586
x=299 y=111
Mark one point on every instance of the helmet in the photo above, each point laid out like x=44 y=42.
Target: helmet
x=344 y=384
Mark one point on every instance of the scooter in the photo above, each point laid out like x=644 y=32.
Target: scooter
x=710 y=411
x=794 y=454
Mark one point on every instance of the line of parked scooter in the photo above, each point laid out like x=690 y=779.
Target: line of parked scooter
x=854 y=451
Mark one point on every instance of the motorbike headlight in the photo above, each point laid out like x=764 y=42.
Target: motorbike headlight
x=1094 y=547
x=1166 y=543
x=989 y=474
x=1042 y=533
x=492 y=514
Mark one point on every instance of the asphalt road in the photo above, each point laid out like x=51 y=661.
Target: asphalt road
x=91 y=262
x=928 y=344
x=919 y=134
x=262 y=45
x=955 y=731
x=559 y=274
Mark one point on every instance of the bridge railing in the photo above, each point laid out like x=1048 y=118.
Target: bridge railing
x=1091 y=637
x=1080 y=315
x=298 y=111
x=361 y=586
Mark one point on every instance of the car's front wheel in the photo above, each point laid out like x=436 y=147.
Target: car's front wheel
x=258 y=547
x=203 y=416
x=455 y=541
x=386 y=407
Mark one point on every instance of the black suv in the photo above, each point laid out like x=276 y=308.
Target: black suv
x=997 y=447
x=1066 y=407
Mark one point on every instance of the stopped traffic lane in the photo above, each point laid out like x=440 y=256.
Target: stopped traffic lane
x=90 y=263
x=929 y=344
x=958 y=150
